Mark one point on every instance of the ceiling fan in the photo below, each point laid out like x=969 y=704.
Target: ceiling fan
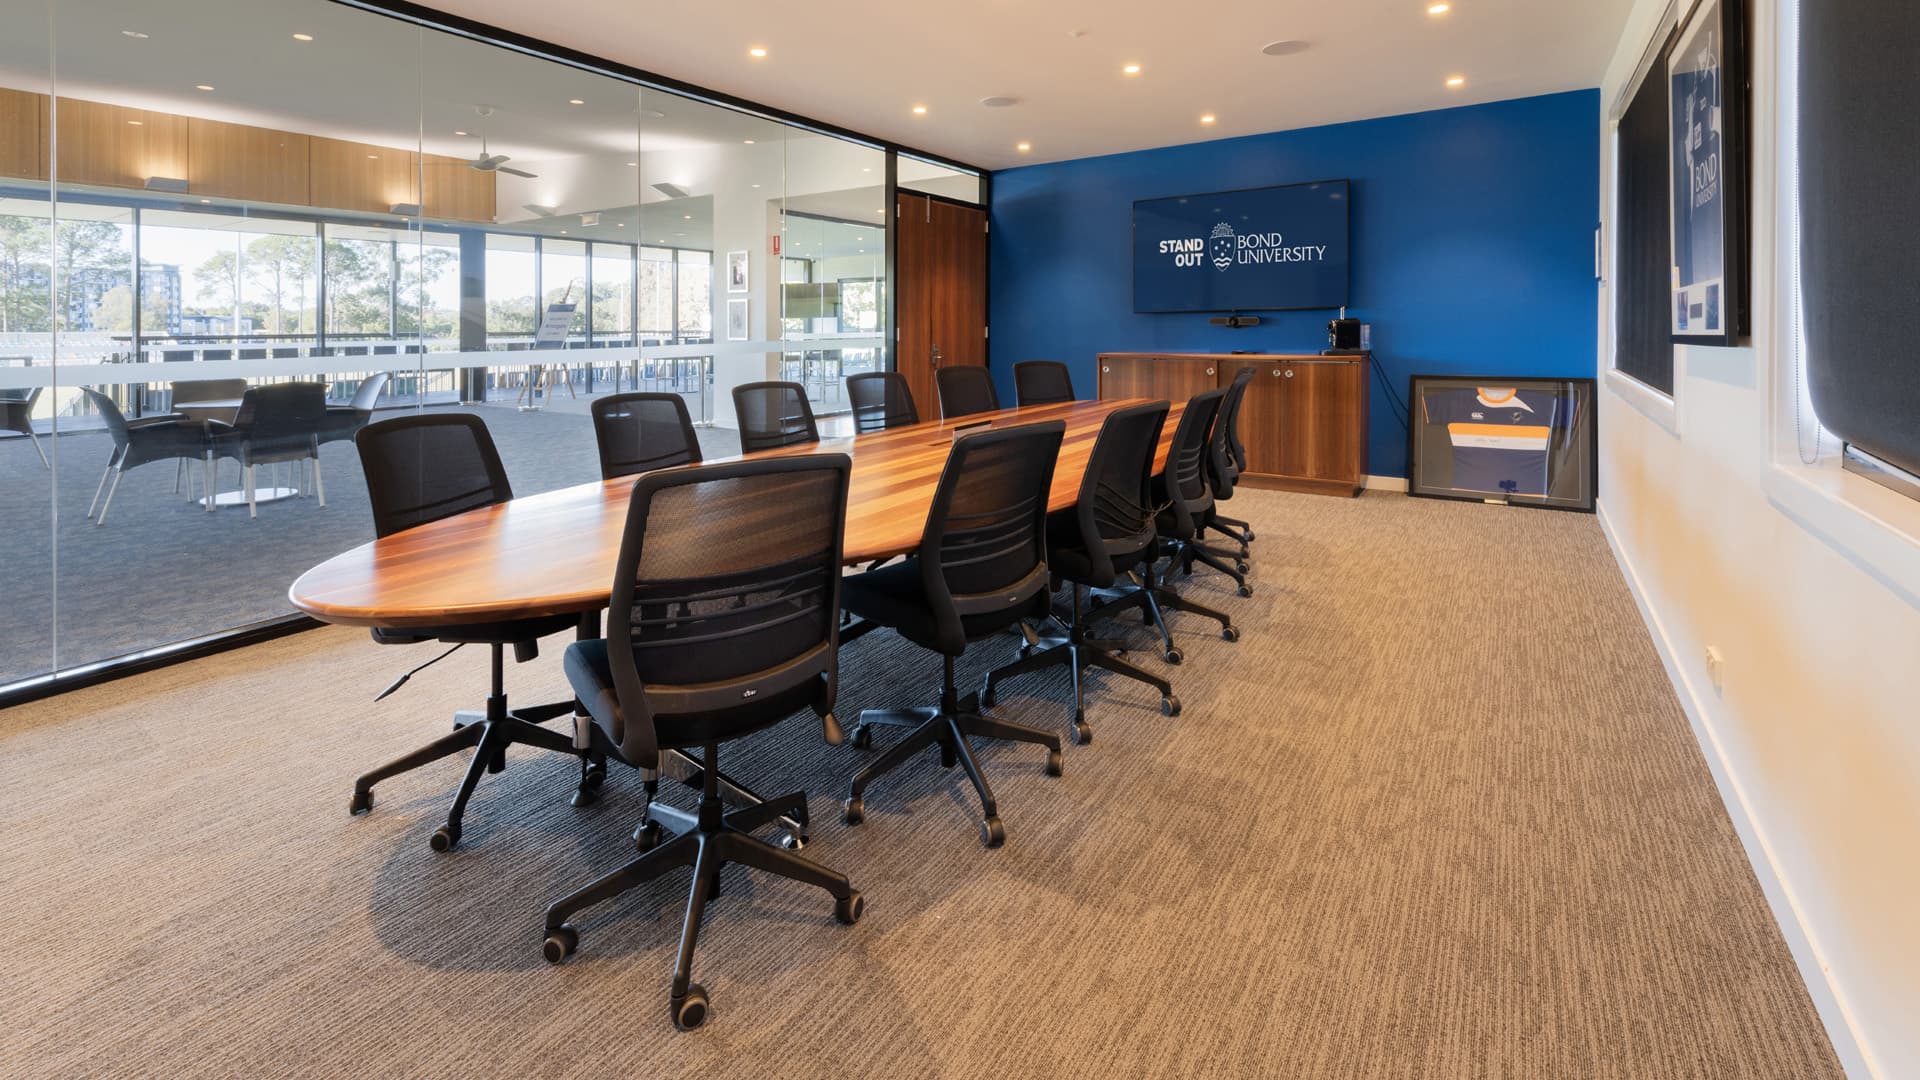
x=493 y=162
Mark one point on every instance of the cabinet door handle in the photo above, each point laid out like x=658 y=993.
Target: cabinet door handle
x=1104 y=369
x=1209 y=371
x=1289 y=373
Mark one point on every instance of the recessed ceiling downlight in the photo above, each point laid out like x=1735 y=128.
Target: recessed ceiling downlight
x=1284 y=48
x=999 y=102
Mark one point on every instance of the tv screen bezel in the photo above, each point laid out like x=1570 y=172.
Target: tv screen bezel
x=1133 y=237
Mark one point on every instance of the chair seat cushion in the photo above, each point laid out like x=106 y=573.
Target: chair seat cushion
x=895 y=596
x=590 y=673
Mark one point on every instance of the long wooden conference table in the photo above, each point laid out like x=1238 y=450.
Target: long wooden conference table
x=554 y=553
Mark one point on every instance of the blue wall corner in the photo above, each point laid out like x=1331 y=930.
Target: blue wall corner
x=1472 y=237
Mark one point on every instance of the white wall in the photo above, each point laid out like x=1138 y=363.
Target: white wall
x=1808 y=585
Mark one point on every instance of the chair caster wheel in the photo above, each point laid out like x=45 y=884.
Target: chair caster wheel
x=1173 y=656
x=362 y=802
x=1243 y=566
x=1053 y=763
x=862 y=737
x=1250 y=537
x=594 y=776
x=444 y=838
x=1170 y=706
x=691 y=1011
x=992 y=834
x=561 y=941
x=848 y=909
x=1229 y=633
x=647 y=836
x=1246 y=590
x=792 y=841
x=853 y=811
x=1082 y=734
x=987 y=696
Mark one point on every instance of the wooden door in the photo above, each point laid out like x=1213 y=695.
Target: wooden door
x=1152 y=377
x=1317 y=429
x=940 y=261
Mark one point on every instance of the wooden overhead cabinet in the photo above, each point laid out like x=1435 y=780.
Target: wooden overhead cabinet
x=1303 y=421
x=23 y=135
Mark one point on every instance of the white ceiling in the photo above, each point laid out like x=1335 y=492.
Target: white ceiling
x=863 y=64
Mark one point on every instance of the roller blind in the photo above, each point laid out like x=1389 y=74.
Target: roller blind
x=1859 y=246
x=1642 y=277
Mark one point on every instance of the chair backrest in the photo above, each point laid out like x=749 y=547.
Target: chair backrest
x=1236 y=448
x=186 y=393
x=965 y=389
x=772 y=415
x=428 y=466
x=1115 y=509
x=367 y=394
x=726 y=597
x=1222 y=471
x=282 y=417
x=640 y=432
x=1186 y=473
x=983 y=552
x=881 y=400
x=110 y=412
x=1042 y=382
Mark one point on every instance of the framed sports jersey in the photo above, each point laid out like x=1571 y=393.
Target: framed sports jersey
x=1706 y=145
x=1523 y=442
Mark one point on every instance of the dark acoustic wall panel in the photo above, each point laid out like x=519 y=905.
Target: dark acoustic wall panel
x=1643 y=281
x=1859 y=202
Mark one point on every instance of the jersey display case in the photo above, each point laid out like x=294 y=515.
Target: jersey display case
x=1524 y=442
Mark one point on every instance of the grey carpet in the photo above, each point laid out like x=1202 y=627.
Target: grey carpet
x=163 y=570
x=1437 y=814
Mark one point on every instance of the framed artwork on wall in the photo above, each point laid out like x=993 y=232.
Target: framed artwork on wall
x=1707 y=148
x=1522 y=442
x=737 y=320
x=737 y=271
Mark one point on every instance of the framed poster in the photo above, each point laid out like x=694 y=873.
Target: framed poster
x=1521 y=442
x=737 y=270
x=737 y=320
x=1707 y=152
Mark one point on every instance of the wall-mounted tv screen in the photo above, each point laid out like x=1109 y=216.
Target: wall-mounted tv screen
x=1260 y=249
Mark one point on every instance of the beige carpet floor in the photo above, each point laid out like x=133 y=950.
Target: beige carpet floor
x=1437 y=814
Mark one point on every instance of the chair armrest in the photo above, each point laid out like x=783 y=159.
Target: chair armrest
x=162 y=418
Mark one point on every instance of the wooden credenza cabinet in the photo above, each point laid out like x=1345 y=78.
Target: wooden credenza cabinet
x=1304 y=419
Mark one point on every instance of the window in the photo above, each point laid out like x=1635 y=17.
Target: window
x=1642 y=343
x=511 y=275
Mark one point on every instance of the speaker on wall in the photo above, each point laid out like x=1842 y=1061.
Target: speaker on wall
x=1859 y=246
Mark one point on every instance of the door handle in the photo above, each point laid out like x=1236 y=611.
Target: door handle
x=936 y=356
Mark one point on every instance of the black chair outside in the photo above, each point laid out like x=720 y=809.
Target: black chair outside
x=1221 y=476
x=725 y=620
x=1109 y=531
x=343 y=422
x=1235 y=463
x=881 y=400
x=1042 y=382
x=169 y=437
x=772 y=415
x=1181 y=489
x=16 y=414
x=965 y=389
x=980 y=568
x=421 y=469
x=639 y=432
x=277 y=423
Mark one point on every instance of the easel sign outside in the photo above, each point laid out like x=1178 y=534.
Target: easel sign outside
x=554 y=325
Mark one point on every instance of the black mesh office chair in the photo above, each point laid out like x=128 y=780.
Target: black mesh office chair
x=1181 y=490
x=16 y=414
x=343 y=422
x=725 y=620
x=275 y=423
x=1232 y=462
x=1221 y=475
x=981 y=567
x=1109 y=531
x=420 y=469
x=1042 y=382
x=965 y=389
x=639 y=432
x=881 y=400
x=772 y=415
x=168 y=437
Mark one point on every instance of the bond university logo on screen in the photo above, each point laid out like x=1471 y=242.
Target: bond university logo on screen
x=1226 y=249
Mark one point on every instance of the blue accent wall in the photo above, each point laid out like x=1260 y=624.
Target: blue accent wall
x=1472 y=237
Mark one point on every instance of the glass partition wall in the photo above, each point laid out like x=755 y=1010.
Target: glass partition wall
x=218 y=197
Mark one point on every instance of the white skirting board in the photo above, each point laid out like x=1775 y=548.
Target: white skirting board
x=1828 y=1000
